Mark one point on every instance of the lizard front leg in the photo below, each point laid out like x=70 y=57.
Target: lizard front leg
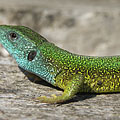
x=32 y=77
x=71 y=89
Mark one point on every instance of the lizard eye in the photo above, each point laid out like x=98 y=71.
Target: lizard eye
x=31 y=55
x=13 y=36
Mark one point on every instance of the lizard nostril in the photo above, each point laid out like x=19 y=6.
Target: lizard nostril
x=13 y=35
x=31 y=55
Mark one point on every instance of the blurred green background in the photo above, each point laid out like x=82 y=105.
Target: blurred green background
x=89 y=27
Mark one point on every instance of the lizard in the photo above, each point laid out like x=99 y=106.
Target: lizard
x=71 y=72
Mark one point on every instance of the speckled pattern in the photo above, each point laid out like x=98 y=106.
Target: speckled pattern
x=71 y=72
x=100 y=74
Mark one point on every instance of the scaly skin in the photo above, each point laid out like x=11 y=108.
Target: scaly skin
x=73 y=73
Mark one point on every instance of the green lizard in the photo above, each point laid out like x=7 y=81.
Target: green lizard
x=71 y=72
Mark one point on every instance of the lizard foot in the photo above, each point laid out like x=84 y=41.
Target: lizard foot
x=52 y=99
x=71 y=89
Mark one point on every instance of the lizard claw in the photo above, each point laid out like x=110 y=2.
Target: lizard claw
x=41 y=98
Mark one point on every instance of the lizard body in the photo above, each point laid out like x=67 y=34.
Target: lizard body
x=71 y=72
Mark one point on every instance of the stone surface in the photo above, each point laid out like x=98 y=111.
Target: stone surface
x=17 y=100
x=89 y=27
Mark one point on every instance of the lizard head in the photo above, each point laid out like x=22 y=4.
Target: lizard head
x=22 y=43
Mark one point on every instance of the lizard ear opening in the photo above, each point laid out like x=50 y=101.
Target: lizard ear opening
x=31 y=55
